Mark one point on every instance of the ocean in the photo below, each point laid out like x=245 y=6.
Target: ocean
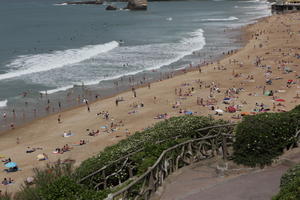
x=51 y=52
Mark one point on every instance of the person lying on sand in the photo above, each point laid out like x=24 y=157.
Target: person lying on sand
x=30 y=150
x=162 y=116
x=82 y=142
x=6 y=160
x=7 y=181
x=62 y=150
x=93 y=133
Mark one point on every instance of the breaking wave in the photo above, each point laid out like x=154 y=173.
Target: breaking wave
x=3 y=103
x=28 y=64
x=232 y=18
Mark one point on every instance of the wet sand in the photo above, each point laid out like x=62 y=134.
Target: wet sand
x=273 y=45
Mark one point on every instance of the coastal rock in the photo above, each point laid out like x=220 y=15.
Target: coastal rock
x=137 y=5
x=111 y=7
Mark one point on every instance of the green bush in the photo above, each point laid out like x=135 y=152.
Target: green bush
x=5 y=196
x=55 y=183
x=65 y=188
x=58 y=182
x=290 y=185
x=290 y=175
x=183 y=126
x=262 y=138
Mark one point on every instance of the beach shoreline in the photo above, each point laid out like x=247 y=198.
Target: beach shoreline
x=161 y=98
x=26 y=117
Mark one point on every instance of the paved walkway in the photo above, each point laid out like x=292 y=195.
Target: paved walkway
x=201 y=182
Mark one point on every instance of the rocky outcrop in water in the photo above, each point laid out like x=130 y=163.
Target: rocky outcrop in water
x=111 y=7
x=137 y=5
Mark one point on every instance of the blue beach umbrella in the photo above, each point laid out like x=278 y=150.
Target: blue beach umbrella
x=226 y=99
x=10 y=165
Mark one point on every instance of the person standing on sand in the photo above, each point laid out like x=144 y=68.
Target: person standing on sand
x=4 y=115
x=12 y=126
x=134 y=92
x=14 y=114
x=59 y=105
x=58 y=119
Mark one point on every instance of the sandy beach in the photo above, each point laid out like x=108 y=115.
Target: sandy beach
x=268 y=63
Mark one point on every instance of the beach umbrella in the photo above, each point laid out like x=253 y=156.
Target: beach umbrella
x=226 y=99
x=281 y=100
x=40 y=157
x=10 y=165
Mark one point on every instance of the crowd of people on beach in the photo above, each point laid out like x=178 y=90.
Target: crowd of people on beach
x=243 y=93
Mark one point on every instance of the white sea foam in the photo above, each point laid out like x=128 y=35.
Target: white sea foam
x=232 y=18
x=140 y=58
x=3 y=103
x=57 y=89
x=28 y=64
x=251 y=1
x=60 y=4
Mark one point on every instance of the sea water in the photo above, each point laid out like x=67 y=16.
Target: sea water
x=50 y=47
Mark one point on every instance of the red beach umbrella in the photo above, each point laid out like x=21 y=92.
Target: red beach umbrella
x=281 y=100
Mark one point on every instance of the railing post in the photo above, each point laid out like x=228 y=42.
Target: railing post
x=104 y=178
x=224 y=147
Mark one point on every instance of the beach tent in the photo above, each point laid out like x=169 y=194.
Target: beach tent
x=219 y=111
x=231 y=109
x=287 y=69
x=67 y=134
x=226 y=100
x=188 y=112
x=41 y=157
x=10 y=165
x=267 y=93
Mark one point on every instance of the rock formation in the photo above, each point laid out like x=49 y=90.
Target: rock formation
x=137 y=5
x=111 y=7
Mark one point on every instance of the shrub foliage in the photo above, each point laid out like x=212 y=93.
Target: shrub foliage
x=60 y=182
x=182 y=127
x=289 y=185
x=262 y=138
